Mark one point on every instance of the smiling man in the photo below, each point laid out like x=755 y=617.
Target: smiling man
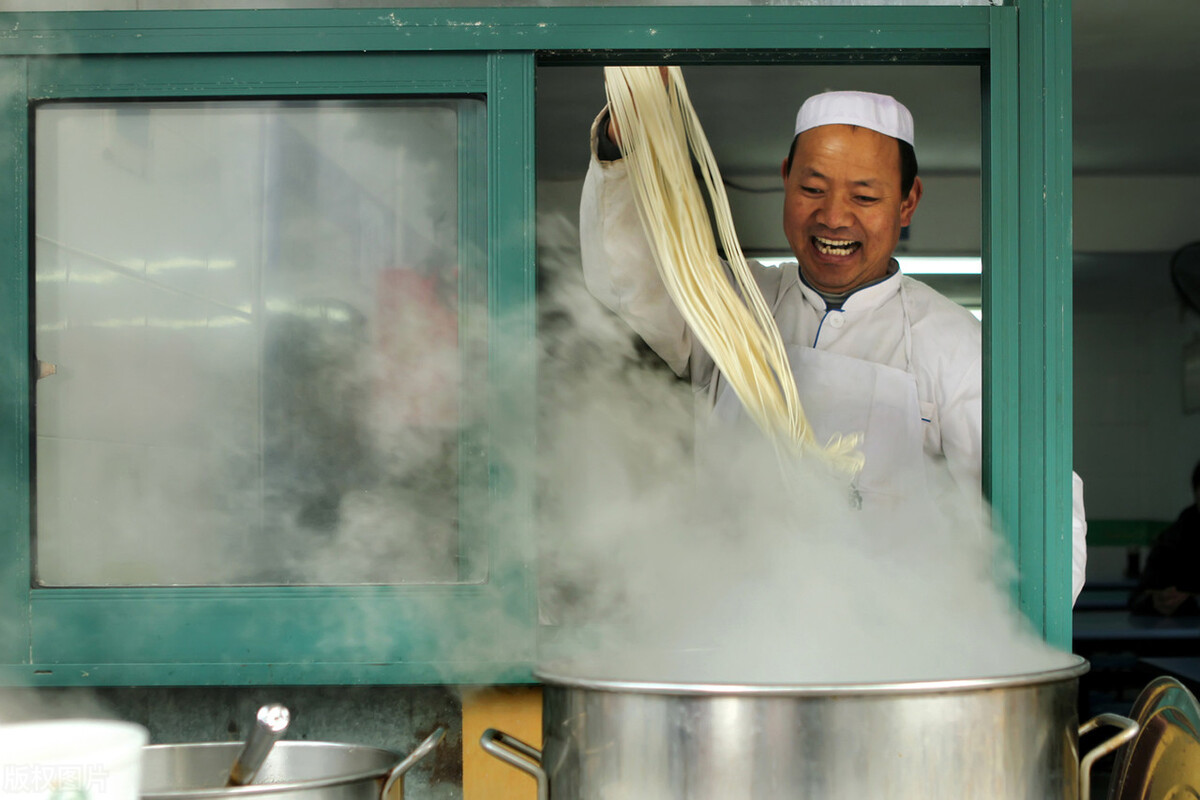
x=852 y=188
x=872 y=350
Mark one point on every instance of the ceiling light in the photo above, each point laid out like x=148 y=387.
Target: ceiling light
x=940 y=265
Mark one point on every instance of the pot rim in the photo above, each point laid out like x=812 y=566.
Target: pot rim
x=277 y=787
x=1068 y=672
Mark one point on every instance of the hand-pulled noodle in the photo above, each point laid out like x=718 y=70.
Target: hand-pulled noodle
x=721 y=303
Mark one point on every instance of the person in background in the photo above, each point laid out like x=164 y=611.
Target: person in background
x=872 y=350
x=1171 y=581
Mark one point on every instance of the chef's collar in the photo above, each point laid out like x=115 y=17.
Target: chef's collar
x=835 y=302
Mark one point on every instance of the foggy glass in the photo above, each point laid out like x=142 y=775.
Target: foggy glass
x=252 y=312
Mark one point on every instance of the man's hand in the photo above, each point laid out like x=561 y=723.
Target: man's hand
x=614 y=133
x=1167 y=601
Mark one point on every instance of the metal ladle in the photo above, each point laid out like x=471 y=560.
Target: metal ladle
x=269 y=725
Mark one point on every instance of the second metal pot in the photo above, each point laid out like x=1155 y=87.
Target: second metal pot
x=293 y=771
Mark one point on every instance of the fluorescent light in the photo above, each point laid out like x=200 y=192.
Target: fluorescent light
x=912 y=265
x=940 y=265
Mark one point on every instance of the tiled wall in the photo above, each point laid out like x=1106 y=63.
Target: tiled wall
x=1134 y=445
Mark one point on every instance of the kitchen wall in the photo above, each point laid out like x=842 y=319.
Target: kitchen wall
x=1112 y=214
x=1135 y=446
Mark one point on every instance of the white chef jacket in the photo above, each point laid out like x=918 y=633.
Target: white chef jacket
x=946 y=339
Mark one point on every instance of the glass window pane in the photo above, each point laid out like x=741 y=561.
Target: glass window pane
x=252 y=309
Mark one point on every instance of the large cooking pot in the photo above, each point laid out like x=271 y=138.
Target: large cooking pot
x=1005 y=738
x=292 y=771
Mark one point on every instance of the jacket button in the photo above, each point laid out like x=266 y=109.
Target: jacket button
x=837 y=320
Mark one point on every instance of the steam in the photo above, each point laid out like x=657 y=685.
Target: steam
x=285 y=421
x=664 y=560
x=25 y=704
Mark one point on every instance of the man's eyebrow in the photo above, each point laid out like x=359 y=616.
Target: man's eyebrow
x=867 y=182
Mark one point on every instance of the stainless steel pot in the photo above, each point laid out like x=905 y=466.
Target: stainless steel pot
x=293 y=771
x=1004 y=738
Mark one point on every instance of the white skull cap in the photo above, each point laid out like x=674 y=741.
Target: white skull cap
x=879 y=112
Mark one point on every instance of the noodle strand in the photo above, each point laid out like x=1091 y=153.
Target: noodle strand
x=720 y=302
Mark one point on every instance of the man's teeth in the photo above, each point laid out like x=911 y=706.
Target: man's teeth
x=835 y=247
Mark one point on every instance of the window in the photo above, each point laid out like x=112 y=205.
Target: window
x=252 y=309
x=276 y=309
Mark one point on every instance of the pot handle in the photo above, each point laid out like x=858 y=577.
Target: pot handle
x=513 y=751
x=1129 y=730
x=422 y=750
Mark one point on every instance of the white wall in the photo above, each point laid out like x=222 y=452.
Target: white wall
x=1113 y=214
x=1134 y=446
x=948 y=220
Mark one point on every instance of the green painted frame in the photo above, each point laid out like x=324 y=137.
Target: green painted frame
x=1025 y=59
x=1027 y=291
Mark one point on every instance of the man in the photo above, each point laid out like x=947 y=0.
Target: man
x=872 y=350
x=1171 y=581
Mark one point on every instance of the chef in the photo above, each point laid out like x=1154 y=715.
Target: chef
x=872 y=350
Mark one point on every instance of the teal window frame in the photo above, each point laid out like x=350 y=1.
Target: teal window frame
x=247 y=635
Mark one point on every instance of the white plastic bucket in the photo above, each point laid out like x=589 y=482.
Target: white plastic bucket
x=71 y=759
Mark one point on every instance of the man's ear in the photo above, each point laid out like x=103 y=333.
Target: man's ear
x=909 y=204
x=783 y=170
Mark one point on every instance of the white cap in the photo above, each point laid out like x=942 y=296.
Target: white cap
x=879 y=112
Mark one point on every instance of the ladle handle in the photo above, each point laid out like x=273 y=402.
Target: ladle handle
x=422 y=750
x=1129 y=729
x=524 y=757
x=269 y=724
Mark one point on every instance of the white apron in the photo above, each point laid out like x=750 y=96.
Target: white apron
x=845 y=395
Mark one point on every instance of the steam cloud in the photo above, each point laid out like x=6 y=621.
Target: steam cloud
x=664 y=561
x=330 y=454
